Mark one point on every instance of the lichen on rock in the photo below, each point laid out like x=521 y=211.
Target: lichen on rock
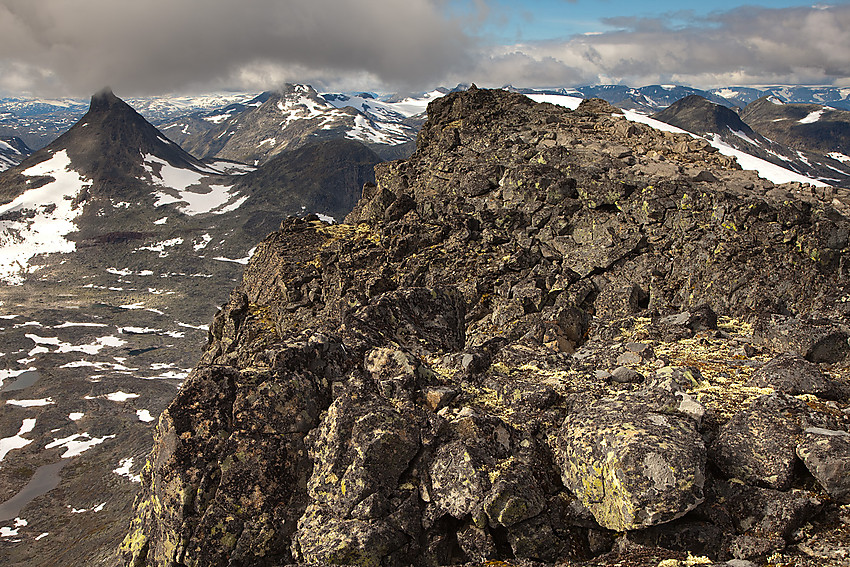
x=537 y=337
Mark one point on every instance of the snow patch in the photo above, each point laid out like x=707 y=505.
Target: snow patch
x=812 y=117
x=160 y=247
x=68 y=324
x=744 y=137
x=145 y=416
x=839 y=157
x=201 y=242
x=17 y=441
x=727 y=93
x=124 y=466
x=119 y=396
x=217 y=119
x=77 y=444
x=244 y=261
x=570 y=102
x=31 y=403
x=12 y=532
x=62 y=347
x=765 y=169
x=39 y=219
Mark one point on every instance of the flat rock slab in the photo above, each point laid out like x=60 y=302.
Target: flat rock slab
x=826 y=453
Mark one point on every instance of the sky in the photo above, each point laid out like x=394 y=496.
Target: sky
x=76 y=47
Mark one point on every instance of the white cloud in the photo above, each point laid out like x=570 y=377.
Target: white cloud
x=806 y=45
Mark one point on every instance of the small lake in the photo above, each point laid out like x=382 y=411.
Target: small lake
x=45 y=479
x=21 y=381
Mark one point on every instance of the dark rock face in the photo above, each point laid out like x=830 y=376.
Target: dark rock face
x=438 y=381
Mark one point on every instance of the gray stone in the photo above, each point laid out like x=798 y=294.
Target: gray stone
x=795 y=375
x=632 y=460
x=826 y=453
x=625 y=375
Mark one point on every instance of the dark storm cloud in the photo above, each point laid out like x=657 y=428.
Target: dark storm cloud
x=167 y=45
x=740 y=47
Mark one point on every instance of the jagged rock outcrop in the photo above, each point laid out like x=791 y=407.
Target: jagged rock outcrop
x=531 y=340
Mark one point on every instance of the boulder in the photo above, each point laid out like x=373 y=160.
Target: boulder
x=826 y=453
x=757 y=445
x=793 y=374
x=632 y=460
x=816 y=340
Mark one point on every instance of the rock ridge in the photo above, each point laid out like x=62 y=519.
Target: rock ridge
x=548 y=336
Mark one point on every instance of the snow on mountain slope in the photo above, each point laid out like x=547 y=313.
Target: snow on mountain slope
x=186 y=187
x=764 y=168
x=39 y=219
x=12 y=152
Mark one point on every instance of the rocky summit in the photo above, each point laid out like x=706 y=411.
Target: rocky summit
x=549 y=336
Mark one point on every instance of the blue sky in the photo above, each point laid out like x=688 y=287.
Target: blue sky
x=74 y=48
x=534 y=20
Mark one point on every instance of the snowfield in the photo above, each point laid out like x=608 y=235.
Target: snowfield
x=187 y=187
x=39 y=219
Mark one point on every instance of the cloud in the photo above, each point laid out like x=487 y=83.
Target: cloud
x=73 y=48
x=743 y=46
x=165 y=45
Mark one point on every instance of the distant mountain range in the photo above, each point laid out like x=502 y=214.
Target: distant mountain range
x=767 y=129
x=291 y=117
x=653 y=98
x=39 y=121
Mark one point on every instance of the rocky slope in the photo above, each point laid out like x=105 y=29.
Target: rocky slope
x=548 y=336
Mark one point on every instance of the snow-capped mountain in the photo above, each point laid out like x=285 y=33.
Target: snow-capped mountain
x=292 y=117
x=97 y=176
x=835 y=97
x=124 y=246
x=13 y=151
x=713 y=121
x=802 y=126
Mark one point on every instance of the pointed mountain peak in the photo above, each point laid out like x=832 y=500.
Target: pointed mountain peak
x=104 y=99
